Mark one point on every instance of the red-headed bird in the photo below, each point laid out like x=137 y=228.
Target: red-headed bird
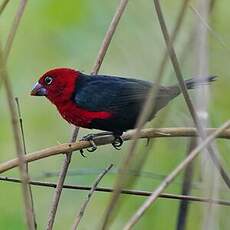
x=108 y=103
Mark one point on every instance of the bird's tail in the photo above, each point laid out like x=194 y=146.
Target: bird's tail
x=193 y=82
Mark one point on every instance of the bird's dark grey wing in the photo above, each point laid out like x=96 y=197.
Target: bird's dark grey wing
x=109 y=93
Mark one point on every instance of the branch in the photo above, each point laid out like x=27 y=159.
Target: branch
x=18 y=145
x=147 y=109
x=14 y=27
x=60 y=182
x=3 y=6
x=25 y=151
x=145 y=133
x=167 y=181
x=92 y=190
x=124 y=191
x=186 y=189
x=196 y=120
x=109 y=35
x=99 y=59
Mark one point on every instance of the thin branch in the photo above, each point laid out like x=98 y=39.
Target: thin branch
x=124 y=191
x=99 y=59
x=3 y=6
x=14 y=27
x=18 y=145
x=167 y=181
x=147 y=109
x=24 y=149
x=184 y=91
x=215 y=35
x=109 y=34
x=92 y=190
x=61 y=180
x=145 y=133
x=186 y=189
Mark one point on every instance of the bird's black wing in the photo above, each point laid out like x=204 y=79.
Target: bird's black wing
x=122 y=97
x=109 y=93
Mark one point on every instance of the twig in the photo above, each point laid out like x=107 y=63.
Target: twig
x=184 y=91
x=61 y=180
x=109 y=34
x=21 y=124
x=147 y=108
x=24 y=149
x=99 y=59
x=215 y=35
x=145 y=133
x=124 y=191
x=172 y=176
x=92 y=190
x=14 y=27
x=186 y=188
x=19 y=149
x=3 y=6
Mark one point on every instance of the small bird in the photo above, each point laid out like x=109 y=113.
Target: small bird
x=108 y=103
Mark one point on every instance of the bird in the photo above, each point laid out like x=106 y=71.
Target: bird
x=108 y=103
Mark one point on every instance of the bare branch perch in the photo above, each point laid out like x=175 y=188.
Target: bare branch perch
x=145 y=133
x=172 y=176
x=124 y=191
x=83 y=207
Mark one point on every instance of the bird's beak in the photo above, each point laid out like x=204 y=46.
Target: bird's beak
x=38 y=90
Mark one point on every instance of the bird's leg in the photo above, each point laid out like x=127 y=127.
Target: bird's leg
x=117 y=143
x=90 y=138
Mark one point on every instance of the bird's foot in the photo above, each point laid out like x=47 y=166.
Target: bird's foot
x=90 y=138
x=147 y=141
x=117 y=143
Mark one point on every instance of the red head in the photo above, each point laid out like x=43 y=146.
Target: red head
x=56 y=84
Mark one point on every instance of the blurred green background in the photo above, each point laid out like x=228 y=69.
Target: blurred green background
x=69 y=33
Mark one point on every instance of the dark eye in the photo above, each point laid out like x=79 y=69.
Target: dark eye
x=48 y=80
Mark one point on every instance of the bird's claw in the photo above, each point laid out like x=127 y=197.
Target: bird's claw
x=90 y=138
x=147 y=141
x=117 y=143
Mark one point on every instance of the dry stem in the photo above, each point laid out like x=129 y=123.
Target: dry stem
x=184 y=91
x=99 y=59
x=14 y=27
x=167 y=181
x=148 y=106
x=18 y=144
x=92 y=190
x=145 y=133
x=124 y=191
x=3 y=6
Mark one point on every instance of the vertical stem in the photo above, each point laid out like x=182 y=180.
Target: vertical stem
x=105 y=44
x=18 y=145
x=186 y=188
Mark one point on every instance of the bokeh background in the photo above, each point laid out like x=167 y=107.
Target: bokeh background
x=69 y=33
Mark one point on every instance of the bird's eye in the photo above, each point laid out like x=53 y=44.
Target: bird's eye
x=48 y=80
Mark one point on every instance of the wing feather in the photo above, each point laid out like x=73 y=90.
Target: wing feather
x=109 y=93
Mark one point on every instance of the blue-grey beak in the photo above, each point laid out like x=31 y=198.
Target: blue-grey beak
x=38 y=90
